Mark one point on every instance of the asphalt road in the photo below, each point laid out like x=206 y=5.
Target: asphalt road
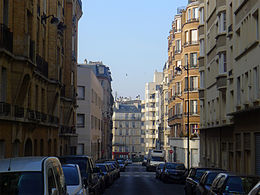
x=136 y=181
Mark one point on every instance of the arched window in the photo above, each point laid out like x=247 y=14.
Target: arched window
x=28 y=148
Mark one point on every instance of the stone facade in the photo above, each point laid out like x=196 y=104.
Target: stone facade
x=32 y=70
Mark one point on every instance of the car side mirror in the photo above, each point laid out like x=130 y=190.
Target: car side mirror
x=54 y=191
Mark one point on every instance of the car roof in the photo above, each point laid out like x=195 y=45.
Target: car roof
x=22 y=164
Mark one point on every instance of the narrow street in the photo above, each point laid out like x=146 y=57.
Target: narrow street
x=135 y=180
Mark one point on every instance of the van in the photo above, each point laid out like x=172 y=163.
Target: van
x=32 y=175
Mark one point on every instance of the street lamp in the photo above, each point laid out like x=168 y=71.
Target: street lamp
x=188 y=114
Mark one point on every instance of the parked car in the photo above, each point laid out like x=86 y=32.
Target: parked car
x=32 y=175
x=129 y=161
x=105 y=170
x=205 y=182
x=88 y=170
x=159 y=170
x=194 y=177
x=73 y=180
x=102 y=182
x=121 y=165
x=229 y=183
x=255 y=190
x=116 y=165
x=173 y=172
x=112 y=170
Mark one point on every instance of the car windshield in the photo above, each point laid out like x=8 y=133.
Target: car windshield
x=21 y=183
x=157 y=158
x=234 y=185
x=102 y=167
x=71 y=175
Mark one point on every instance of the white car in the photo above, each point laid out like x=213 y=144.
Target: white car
x=73 y=180
x=255 y=190
x=32 y=175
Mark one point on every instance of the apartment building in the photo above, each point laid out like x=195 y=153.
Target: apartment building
x=89 y=113
x=34 y=43
x=103 y=74
x=127 y=138
x=152 y=112
x=230 y=90
x=183 y=52
x=164 y=129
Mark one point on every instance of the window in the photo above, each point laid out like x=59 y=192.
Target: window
x=202 y=49
x=5 y=12
x=195 y=13
x=126 y=124
x=189 y=14
x=186 y=84
x=186 y=61
x=256 y=83
x=222 y=22
x=178 y=24
x=178 y=108
x=133 y=124
x=43 y=100
x=256 y=20
x=194 y=107
x=36 y=97
x=186 y=37
x=194 y=128
x=193 y=83
x=142 y=140
x=193 y=60
x=126 y=132
x=222 y=63
x=202 y=15
x=238 y=91
x=202 y=78
x=178 y=46
x=81 y=92
x=194 y=36
x=81 y=120
x=178 y=86
x=3 y=85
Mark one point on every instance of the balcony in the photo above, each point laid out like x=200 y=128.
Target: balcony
x=5 y=109
x=6 y=38
x=42 y=65
x=67 y=131
x=192 y=20
x=222 y=82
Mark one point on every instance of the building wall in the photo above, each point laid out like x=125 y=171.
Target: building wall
x=29 y=79
x=229 y=99
x=91 y=107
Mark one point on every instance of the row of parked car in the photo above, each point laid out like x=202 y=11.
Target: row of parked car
x=57 y=175
x=208 y=181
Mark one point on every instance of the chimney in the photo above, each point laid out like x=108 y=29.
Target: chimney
x=85 y=61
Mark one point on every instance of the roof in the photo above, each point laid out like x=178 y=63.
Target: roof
x=21 y=164
x=126 y=108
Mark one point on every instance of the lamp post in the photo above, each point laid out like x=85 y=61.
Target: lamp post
x=188 y=115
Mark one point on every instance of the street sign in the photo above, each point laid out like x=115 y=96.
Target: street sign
x=171 y=151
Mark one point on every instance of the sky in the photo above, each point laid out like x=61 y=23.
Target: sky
x=129 y=36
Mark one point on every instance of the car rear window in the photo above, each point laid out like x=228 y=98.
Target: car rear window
x=21 y=183
x=211 y=177
x=71 y=175
x=234 y=185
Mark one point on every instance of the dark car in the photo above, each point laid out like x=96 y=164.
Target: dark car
x=121 y=164
x=108 y=175
x=229 y=183
x=173 y=172
x=194 y=177
x=116 y=165
x=159 y=170
x=102 y=182
x=205 y=182
x=88 y=170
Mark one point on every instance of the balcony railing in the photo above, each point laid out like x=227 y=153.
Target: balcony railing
x=67 y=130
x=6 y=38
x=42 y=65
x=193 y=20
x=18 y=112
x=5 y=108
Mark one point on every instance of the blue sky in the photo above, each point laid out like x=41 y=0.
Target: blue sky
x=130 y=36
